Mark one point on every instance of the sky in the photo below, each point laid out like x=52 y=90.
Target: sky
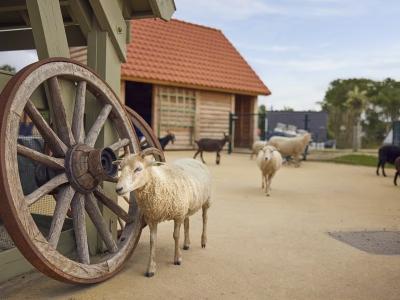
x=298 y=47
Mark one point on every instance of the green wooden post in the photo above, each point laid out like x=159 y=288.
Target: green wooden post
x=51 y=41
x=103 y=57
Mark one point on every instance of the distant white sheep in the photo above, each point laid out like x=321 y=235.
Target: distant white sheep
x=167 y=192
x=291 y=146
x=269 y=160
x=257 y=146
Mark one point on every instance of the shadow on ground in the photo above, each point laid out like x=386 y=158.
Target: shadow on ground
x=374 y=242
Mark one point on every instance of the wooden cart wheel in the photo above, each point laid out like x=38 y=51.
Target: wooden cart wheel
x=140 y=124
x=78 y=168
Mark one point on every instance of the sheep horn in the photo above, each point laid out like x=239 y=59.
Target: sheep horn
x=151 y=151
x=117 y=162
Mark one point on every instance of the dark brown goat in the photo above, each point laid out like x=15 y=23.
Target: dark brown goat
x=211 y=145
x=397 y=166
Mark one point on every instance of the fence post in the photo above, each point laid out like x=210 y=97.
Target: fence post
x=230 y=132
x=306 y=121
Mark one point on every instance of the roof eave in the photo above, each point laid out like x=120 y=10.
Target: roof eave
x=267 y=92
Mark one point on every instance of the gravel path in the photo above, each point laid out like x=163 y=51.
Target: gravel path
x=264 y=248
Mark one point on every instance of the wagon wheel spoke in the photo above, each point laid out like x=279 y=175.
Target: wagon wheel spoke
x=138 y=122
x=78 y=216
x=98 y=221
x=98 y=125
x=60 y=116
x=46 y=188
x=118 y=145
x=112 y=205
x=63 y=203
x=52 y=162
x=56 y=145
x=79 y=112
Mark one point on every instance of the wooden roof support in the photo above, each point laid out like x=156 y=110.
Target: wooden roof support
x=110 y=19
x=80 y=12
x=48 y=28
x=23 y=39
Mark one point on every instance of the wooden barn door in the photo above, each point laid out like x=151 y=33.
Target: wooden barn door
x=244 y=124
x=176 y=113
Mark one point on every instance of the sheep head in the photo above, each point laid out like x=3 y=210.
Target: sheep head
x=134 y=173
x=267 y=152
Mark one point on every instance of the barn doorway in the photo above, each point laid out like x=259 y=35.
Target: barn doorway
x=138 y=96
x=244 y=121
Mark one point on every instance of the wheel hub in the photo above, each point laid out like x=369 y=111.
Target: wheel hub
x=87 y=167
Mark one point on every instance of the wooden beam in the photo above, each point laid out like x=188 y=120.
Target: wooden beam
x=110 y=19
x=23 y=39
x=103 y=58
x=48 y=28
x=81 y=12
x=190 y=86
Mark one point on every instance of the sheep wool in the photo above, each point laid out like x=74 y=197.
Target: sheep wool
x=174 y=191
x=167 y=192
x=291 y=146
x=269 y=161
x=257 y=146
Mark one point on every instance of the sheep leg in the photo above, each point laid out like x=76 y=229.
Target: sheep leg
x=262 y=180
x=383 y=169
x=395 y=177
x=151 y=267
x=204 y=234
x=269 y=183
x=178 y=255
x=197 y=153
x=266 y=184
x=186 y=243
x=201 y=156
x=297 y=161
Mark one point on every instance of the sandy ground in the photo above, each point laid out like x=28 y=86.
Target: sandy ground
x=264 y=247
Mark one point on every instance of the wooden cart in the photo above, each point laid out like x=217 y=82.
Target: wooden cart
x=63 y=122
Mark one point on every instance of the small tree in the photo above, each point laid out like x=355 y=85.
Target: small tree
x=357 y=101
x=7 y=68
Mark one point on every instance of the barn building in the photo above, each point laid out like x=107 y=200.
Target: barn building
x=187 y=78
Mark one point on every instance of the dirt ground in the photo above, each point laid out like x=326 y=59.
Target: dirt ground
x=263 y=247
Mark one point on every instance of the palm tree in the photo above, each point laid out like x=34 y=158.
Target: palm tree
x=357 y=101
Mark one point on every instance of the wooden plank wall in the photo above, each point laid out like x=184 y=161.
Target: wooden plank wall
x=213 y=114
x=79 y=54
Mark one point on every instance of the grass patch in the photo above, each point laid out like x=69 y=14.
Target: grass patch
x=358 y=160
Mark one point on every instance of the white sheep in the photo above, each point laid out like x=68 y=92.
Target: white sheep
x=269 y=160
x=167 y=192
x=257 y=146
x=291 y=146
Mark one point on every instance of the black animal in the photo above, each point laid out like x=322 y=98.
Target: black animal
x=387 y=154
x=211 y=145
x=397 y=165
x=170 y=137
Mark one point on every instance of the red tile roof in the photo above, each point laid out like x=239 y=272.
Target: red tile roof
x=185 y=54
